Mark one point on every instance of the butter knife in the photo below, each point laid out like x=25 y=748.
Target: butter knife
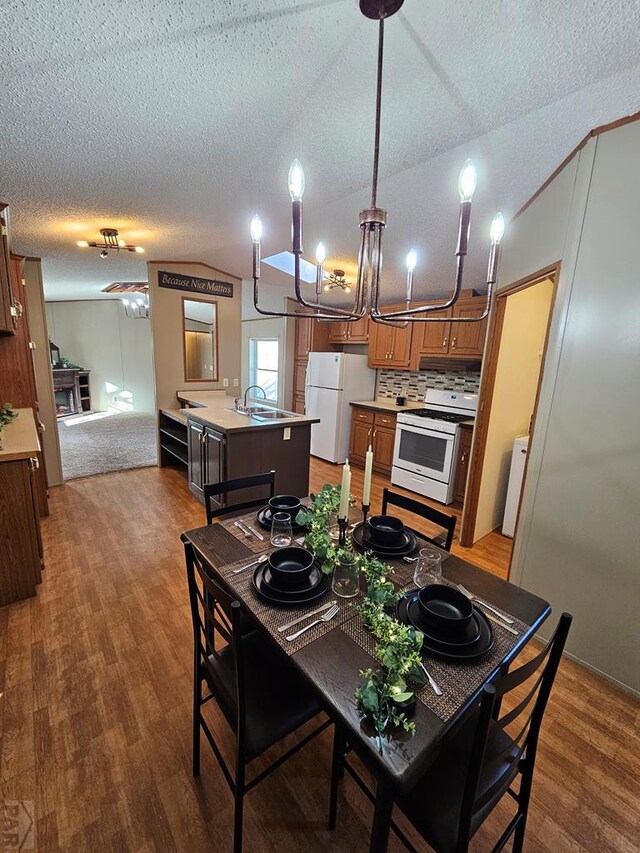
x=248 y=530
x=501 y=624
x=283 y=628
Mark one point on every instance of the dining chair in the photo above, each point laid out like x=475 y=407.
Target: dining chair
x=251 y=482
x=260 y=695
x=435 y=516
x=479 y=765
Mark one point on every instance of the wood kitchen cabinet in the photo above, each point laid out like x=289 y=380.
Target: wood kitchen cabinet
x=21 y=555
x=356 y=332
x=462 y=466
x=206 y=458
x=310 y=336
x=377 y=429
x=7 y=308
x=450 y=340
x=390 y=346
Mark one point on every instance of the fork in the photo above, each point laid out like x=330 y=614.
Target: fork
x=475 y=598
x=327 y=617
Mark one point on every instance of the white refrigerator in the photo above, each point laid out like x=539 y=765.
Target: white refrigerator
x=333 y=380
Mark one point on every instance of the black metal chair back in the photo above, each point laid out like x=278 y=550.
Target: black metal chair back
x=435 y=516
x=223 y=488
x=518 y=752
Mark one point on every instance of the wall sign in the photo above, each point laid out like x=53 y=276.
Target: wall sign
x=192 y=284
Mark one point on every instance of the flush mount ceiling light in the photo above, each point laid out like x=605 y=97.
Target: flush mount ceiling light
x=337 y=279
x=111 y=243
x=372 y=223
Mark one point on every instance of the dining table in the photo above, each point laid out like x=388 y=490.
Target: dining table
x=332 y=655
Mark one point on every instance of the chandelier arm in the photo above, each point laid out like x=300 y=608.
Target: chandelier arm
x=492 y=273
x=265 y=313
x=335 y=313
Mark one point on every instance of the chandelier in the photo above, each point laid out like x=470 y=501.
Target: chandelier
x=372 y=223
x=336 y=279
x=137 y=307
x=110 y=243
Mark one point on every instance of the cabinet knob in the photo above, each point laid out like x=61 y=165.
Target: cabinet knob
x=463 y=458
x=444 y=343
x=453 y=343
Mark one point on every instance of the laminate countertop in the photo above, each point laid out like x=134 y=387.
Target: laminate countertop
x=20 y=440
x=215 y=408
x=387 y=404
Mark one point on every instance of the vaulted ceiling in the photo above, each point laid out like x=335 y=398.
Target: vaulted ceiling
x=175 y=120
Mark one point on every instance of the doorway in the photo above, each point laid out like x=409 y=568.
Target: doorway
x=514 y=363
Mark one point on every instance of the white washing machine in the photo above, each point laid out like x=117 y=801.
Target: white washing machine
x=516 y=475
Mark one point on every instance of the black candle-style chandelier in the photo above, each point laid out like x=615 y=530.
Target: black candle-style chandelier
x=372 y=223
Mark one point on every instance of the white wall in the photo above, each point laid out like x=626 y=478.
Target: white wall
x=272 y=298
x=42 y=369
x=578 y=543
x=166 y=325
x=97 y=335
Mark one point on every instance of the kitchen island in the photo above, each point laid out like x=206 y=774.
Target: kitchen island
x=222 y=444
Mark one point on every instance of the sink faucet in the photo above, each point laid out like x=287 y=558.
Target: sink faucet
x=259 y=387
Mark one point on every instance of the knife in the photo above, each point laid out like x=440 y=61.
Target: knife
x=248 y=530
x=502 y=625
x=286 y=627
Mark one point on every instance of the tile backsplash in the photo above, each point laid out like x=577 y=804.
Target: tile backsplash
x=412 y=385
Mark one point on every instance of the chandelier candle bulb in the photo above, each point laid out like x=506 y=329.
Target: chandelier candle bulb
x=256 y=236
x=496 y=232
x=345 y=487
x=368 y=471
x=411 y=265
x=467 y=181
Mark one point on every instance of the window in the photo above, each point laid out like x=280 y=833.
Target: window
x=263 y=367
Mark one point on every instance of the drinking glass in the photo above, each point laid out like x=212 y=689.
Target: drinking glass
x=281 y=530
x=346 y=577
x=428 y=568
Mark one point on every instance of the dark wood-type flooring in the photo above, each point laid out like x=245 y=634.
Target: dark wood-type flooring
x=95 y=707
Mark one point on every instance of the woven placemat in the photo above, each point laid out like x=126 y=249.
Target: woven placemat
x=252 y=542
x=456 y=680
x=271 y=617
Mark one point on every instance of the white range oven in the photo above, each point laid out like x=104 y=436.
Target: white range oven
x=426 y=443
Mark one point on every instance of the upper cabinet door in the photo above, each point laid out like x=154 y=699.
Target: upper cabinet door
x=303 y=337
x=7 y=320
x=380 y=345
x=400 y=343
x=358 y=332
x=468 y=338
x=432 y=338
x=338 y=332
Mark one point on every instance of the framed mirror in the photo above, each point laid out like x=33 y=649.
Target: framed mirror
x=200 y=340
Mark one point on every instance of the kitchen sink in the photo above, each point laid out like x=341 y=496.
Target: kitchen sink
x=271 y=415
x=264 y=413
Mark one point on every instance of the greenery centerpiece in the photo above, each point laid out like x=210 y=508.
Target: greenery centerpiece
x=7 y=414
x=384 y=696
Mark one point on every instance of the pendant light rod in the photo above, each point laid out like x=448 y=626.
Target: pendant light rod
x=376 y=142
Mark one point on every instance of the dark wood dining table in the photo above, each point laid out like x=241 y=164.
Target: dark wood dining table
x=332 y=662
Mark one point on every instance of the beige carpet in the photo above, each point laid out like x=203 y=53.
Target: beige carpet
x=100 y=443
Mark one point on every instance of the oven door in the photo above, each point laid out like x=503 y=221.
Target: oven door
x=424 y=451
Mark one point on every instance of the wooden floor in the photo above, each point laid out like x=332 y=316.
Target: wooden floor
x=492 y=552
x=95 y=708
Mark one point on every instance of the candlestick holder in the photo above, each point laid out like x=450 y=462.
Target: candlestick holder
x=343 y=525
x=365 y=513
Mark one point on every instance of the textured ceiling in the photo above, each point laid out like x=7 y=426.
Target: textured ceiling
x=175 y=121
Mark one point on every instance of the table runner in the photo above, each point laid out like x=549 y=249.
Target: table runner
x=457 y=680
